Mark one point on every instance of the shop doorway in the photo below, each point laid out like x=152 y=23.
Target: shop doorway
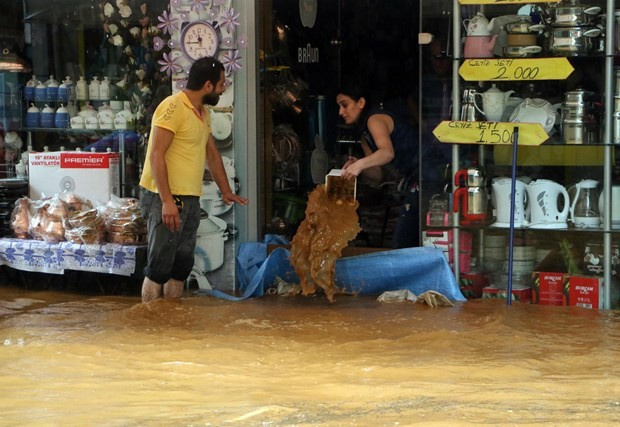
x=307 y=49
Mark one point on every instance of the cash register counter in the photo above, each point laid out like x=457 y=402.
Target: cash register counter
x=36 y=256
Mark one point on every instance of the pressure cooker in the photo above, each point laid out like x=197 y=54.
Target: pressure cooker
x=572 y=41
x=572 y=13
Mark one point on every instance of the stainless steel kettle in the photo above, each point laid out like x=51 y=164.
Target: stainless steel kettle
x=469 y=113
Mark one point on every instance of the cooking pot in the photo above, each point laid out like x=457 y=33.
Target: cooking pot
x=523 y=26
x=578 y=96
x=209 y=253
x=572 y=41
x=521 y=51
x=580 y=130
x=571 y=13
x=521 y=39
x=578 y=103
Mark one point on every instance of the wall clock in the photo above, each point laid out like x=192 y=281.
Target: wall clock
x=199 y=39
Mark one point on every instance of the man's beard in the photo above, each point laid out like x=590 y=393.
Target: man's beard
x=210 y=99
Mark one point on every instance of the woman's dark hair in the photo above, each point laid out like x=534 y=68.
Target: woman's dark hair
x=203 y=70
x=353 y=87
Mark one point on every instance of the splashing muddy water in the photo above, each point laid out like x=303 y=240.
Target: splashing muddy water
x=71 y=359
x=328 y=227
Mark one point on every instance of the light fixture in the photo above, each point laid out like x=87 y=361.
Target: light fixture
x=12 y=62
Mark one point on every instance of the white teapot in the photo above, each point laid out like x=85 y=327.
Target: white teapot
x=91 y=122
x=493 y=103
x=120 y=122
x=87 y=111
x=77 y=122
x=106 y=119
x=479 y=25
x=123 y=119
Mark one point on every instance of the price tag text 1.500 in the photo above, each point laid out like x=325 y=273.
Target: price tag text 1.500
x=489 y=133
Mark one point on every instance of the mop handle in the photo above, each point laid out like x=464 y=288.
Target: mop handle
x=515 y=144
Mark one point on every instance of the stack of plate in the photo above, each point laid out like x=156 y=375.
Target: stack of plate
x=11 y=189
x=523 y=263
x=541 y=253
x=494 y=252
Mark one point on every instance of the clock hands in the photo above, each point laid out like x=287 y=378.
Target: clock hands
x=199 y=41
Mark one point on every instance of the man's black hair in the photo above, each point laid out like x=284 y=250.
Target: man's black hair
x=203 y=70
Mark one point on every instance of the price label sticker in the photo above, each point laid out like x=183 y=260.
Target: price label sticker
x=491 y=133
x=505 y=69
x=504 y=1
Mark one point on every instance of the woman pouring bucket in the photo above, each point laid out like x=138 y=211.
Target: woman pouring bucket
x=385 y=138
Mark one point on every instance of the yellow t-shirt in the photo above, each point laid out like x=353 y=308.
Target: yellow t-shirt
x=185 y=158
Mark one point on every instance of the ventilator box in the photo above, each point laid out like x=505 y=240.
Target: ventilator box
x=94 y=176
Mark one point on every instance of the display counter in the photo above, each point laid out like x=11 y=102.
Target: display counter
x=55 y=258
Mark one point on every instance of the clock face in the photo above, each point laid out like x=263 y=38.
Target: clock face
x=199 y=39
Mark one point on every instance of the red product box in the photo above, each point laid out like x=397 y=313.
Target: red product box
x=550 y=288
x=586 y=292
x=472 y=284
x=522 y=295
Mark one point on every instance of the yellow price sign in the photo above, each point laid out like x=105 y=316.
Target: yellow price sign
x=507 y=69
x=504 y=1
x=491 y=133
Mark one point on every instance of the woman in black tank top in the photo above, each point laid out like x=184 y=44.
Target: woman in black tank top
x=385 y=139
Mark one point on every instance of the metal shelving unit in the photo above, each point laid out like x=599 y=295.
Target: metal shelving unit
x=452 y=37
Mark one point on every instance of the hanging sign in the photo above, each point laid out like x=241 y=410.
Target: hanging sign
x=490 y=133
x=504 y=1
x=506 y=69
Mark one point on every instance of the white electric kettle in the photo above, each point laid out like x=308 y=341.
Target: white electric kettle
x=615 y=206
x=544 y=197
x=501 y=193
x=584 y=209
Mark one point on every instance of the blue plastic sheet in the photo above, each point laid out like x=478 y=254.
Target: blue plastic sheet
x=416 y=269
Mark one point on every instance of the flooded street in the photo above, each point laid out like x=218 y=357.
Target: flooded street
x=72 y=359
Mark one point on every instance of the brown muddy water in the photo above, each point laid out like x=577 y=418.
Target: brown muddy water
x=69 y=359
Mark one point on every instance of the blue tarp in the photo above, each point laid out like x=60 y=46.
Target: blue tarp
x=416 y=269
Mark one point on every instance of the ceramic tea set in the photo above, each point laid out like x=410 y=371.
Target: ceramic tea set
x=498 y=105
x=103 y=118
x=568 y=28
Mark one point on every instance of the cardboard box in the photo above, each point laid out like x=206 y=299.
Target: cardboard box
x=94 y=176
x=553 y=288
x=586 y=292
x=472 y=284
x=593 y=258
x=522 y=295
x=550 y=288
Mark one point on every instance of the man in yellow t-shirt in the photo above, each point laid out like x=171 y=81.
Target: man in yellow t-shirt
x=180 y=140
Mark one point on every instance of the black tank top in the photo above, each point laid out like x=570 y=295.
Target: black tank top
x=404 y=140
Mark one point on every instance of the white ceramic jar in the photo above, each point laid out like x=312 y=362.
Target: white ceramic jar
x=104 y=89
x=93 y=88
x=81 y=90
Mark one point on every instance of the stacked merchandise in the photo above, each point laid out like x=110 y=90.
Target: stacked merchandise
x=67 y=217
x=10 y=191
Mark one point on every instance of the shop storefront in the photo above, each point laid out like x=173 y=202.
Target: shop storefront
x=79 y=82
x=84 y=76
x=308 y=50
